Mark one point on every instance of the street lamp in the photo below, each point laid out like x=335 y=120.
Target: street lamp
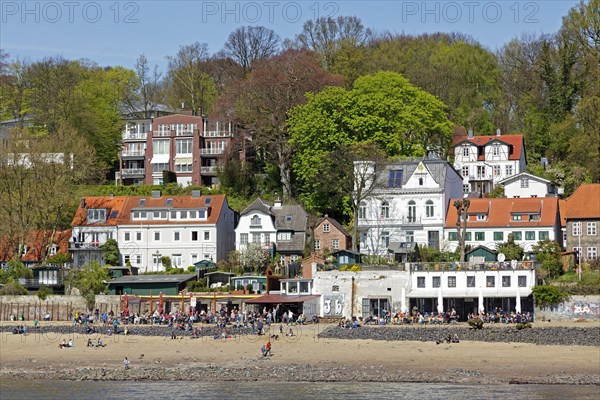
x=579 y=249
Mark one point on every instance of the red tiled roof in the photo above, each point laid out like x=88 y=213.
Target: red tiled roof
x=111 y=204
x=562 y=206
x=584 y=203
x=501 y=210
x=35 y=244
x=478 y=207
x=516 y=141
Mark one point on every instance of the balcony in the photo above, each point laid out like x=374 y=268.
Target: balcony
x=56 y=281
x=135 y=136
x=211 y=151
x=211 y=170
x=217 y=134
x=481 y=177
x=73 y=246
x=133 y=153
x=131 y=173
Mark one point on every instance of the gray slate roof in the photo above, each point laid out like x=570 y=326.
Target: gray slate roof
x=334 y=223
x=440 y=170
x=179 y=278
x=257 y=205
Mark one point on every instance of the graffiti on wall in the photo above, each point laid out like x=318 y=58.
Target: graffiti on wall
x=577 y=309
x=333 y=305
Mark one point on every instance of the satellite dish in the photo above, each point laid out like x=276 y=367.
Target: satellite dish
x=501 y=257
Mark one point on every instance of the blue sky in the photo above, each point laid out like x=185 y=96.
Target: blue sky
x=115 y=32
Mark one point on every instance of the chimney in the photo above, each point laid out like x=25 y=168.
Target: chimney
x=83 y=202
x=156 y=194
x=277 y=203
x=470 y=133
x=498 y=132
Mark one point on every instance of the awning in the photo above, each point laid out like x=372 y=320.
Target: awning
x=160 y=159
x=276 y=299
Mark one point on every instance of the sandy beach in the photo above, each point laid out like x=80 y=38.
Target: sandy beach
x=301 y=357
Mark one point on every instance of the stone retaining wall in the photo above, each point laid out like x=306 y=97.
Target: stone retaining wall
x=59 y=307
x=576 y=307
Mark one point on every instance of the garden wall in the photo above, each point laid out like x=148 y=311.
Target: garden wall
x=575 y=307
x=59 y=307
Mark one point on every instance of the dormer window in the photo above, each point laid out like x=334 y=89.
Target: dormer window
x=255 y=221
x=481 y=217
x=465 y=151
x=395 y=179
x=53 y=250
x=95 y=215
x=517 y=217
x=496 y=149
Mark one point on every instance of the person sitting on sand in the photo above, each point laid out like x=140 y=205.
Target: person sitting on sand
x=290 y=333
x=71 y=343
x=63 y=344
x=99 y=343
x=89 y=343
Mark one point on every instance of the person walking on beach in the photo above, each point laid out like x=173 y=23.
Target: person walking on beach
x=126 y=363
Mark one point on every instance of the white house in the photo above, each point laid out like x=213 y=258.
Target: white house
x=187 y=229
x=528 y=185
x=280 y=226
x=490 y=221
x=484 y=161
x=408 y=204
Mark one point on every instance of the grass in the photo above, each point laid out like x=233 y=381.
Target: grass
x=587 y=278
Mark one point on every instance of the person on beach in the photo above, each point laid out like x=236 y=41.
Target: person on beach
x=126 y=363
x=266 y=349
x=116 y=325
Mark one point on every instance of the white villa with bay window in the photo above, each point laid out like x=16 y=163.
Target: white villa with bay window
x=408 y=204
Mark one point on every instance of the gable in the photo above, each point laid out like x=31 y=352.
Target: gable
x=421 y=177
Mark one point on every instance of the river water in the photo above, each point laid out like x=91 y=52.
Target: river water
x=67 y=390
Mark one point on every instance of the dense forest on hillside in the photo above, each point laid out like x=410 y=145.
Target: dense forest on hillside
x=313 y=103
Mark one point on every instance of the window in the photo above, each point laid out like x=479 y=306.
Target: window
x=138 y=259
x=284 y=236
x=534 y=217
x=522 y=280
x=335 y=244
x=496 y=149
x=481 y=217
x=335 y=288
x=326 y=228
x=529 y=235
x=185 y=167
x=451 y=281
x=465 y=151
x=138 y=236
x=470 y=281
x=362 y=210
x=576 y=228
x=157 y=236
x=267 y=238
x=194 y=236
x=395 y=179
x=479 y=236
x=183 y=214
x=192 y=214
x=194 y=258
x=452 y=236
x=206 y=235
x=591 y=229
x=481 y=171
x=176 y=260
x=499 y=236
x=126 y=236
x=517 y=235
x=468 y=236
x=317 y=244
x=465 y=188
x=410 y=236
x=435 y=281
x=176 y=236
x=509 y=170
x=517 y=217
x=497 y=171
x=96 y=215
x=506 y=281
x=243 y=238
x=420 y=181
x=543 y=235
x=578 y=250
x=490 y=281
x=255 y=221
x=592 y=253
x=412 y=211
x=385 y=210
x=256 y=238
x=429 y=208
x=385 y=239
x=420 y=281
x=183 y=146
x=465 y=172
x=159 y=168
x=160 y=147
x=524 y=182
x=126 y=259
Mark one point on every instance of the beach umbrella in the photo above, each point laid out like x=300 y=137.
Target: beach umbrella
x=481 y=309
x=403 y=307
x=160 y=303
x=518 y=304
x=440 y=301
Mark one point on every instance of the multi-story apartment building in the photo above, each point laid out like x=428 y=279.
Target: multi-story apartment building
x=490 y=221
x=192 y=147
x=484 y=161
x=278 y=225
x=408 y=204
x=580 y=214
x=187 y=229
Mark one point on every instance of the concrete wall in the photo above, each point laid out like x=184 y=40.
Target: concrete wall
x=32 y=307
x=577 y=307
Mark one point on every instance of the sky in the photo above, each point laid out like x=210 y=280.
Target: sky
x=115 y=32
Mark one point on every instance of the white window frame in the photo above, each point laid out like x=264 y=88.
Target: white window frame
x=592 y=229
x=326 y=228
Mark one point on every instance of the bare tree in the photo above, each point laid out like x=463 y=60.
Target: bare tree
x=189 y=81
x=462 y=209
x=148 y=92
x=247 y=44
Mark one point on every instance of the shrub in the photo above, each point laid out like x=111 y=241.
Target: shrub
x=475 y=323
x=43 y=292
x=13 y=288
x=548 y=295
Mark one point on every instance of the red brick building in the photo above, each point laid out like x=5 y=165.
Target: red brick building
x=330 y=234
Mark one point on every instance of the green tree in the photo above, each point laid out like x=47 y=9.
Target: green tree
x=111 y=253
x=510 y=249
x=166 y=262
x=91 y=280
x=547 y=253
